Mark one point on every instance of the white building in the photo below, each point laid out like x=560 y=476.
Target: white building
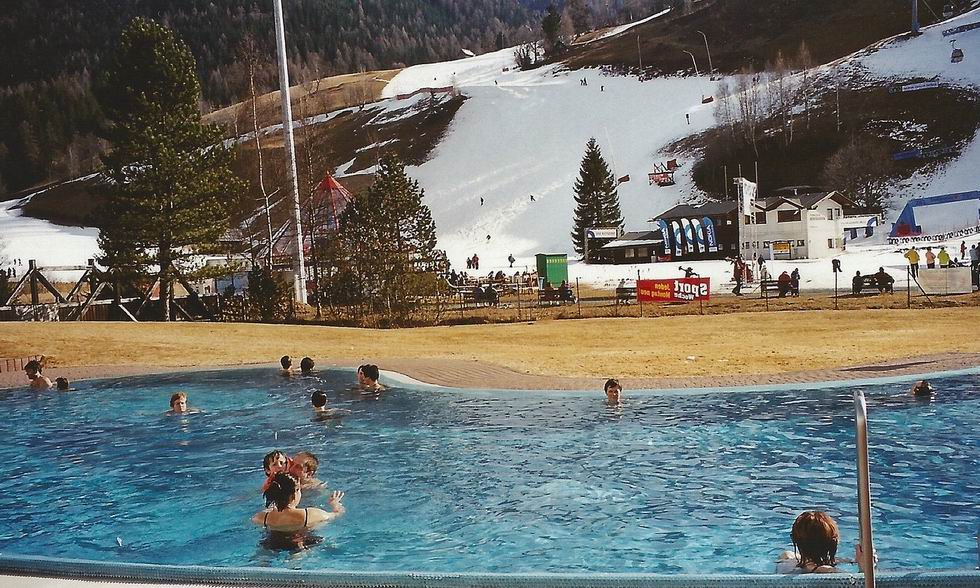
x=794 y=223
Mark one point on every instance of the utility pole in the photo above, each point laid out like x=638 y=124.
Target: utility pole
x=711 y=69
x=915 y=17
x=299 y=267
x=639 y=55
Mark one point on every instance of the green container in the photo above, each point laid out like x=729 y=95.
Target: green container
x=552 y=267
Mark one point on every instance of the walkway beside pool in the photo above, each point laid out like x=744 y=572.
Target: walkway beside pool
x=481 y=375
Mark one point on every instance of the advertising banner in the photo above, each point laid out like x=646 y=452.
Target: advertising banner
x=665 y=233
x=673 y=290
x=709 y=234
x=702 y=243
x=678 y=238
x=689 y=236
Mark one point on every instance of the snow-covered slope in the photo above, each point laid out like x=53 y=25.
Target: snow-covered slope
x=524 y=133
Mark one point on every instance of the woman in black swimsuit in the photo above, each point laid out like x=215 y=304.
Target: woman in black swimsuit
x=289 y=525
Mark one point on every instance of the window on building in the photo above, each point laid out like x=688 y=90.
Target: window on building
x=830 y=243
x=748 y=219
x=765 y=244
x=629 y=253
x=728 y=221
x=787 y=216
x=800 y=243
x=760 y=217
x=642 y=252
x=830 y=214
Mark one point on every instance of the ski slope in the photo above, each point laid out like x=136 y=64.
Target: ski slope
x=524 y=133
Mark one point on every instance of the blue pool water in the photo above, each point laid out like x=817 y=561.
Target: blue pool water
x=448 y=480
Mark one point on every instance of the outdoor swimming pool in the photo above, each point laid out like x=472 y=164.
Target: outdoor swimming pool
x=445 y=480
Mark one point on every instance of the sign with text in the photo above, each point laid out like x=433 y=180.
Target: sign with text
x=673 y=290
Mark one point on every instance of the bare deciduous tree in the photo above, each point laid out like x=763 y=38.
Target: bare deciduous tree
x=861 y=169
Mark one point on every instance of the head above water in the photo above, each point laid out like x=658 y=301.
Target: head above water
x=306 y=366
x=63 y=384
x=922 y=389
x=815 y=536
x=308 y=463
x=283 y=491
x=33 y=368
x=612 y=389
x=285 y=362
x=273 y=462
x=178 y=402
x=371 y=373
x=319 y=399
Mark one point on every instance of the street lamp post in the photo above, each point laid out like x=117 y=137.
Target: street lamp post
x=299 y=267
x=711 y=69
x=695 y=61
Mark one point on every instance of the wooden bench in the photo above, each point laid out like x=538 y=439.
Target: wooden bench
x=625 y=293
x=769 y=287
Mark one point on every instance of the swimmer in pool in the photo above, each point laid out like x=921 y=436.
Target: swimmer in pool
x=63 y=385
x=369 y=375
x=922 y=389
x=178 y=404
x=305 y=465
x=306 y=366
x=815 y=537
x=613 y=391
x=289 y=525
x=287 y=365
x=320 y=410
x=38 y=381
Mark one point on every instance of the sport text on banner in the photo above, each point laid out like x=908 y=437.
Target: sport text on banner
x=673 y=290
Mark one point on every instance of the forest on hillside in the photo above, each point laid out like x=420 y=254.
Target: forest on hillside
x=54 y=49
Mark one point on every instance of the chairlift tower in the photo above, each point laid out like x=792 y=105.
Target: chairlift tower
x=299 y=263
x=915 y=17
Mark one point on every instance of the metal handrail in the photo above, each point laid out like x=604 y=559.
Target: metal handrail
x=864 y=490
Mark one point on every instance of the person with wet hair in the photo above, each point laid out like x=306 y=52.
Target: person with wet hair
x=287 y=365
x=287 y=524
x=38 y=381
x=922 y=389
x=370 y=375
x=612 y=390
x=320 y=410
x=306 y=366
x=305 y=465
x=815 y=538
x=62 y=384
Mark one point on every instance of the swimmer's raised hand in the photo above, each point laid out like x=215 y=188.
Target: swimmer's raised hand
x=334 y=501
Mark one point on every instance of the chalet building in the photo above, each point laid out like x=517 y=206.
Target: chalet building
x=797 y=222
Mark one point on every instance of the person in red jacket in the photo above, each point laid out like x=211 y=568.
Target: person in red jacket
x=785 y=283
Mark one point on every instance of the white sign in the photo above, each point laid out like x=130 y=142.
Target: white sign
x=600 y=233
x=958 y=234
x=919 y=86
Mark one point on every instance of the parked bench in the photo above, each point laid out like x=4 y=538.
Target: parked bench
x=769 y=287
x=550 y=296
x=870 y=282
x=625 y=293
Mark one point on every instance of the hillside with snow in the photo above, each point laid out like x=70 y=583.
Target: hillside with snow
x=523 y=133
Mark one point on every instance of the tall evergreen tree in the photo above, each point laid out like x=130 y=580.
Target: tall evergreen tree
x=390 y=237
x=596 y=198
x=170 y=180
x=551 y=27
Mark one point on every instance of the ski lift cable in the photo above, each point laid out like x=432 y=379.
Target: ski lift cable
x=931 y=10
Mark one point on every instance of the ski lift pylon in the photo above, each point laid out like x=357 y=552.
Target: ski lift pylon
x=957 y=55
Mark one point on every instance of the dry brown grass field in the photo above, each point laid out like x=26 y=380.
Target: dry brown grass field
x=720 y=344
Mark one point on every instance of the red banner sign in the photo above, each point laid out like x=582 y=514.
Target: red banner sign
x=673 y=290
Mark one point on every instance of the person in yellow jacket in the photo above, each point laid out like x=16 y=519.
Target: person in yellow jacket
x=913 y=256
x=943 y=257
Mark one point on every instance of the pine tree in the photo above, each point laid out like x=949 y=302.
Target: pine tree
x=170 y=181
x=596 y=199
x=551 y=27
x=390 y=237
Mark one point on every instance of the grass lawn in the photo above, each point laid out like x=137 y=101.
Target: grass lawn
x=722 y=344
